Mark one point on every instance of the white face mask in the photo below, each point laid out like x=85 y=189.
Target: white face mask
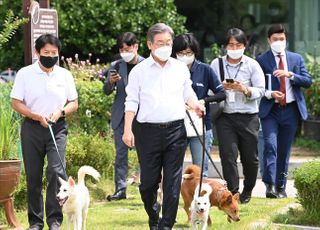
x=127 y=56
x=235 y=54
x=163 y=53
x=186 y=59
x=278 y=46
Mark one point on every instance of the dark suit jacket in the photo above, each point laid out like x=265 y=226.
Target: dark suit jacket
x=117 y=111
x=301 y=79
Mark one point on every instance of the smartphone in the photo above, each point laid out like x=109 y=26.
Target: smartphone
x=229 y=80
x=113 y=72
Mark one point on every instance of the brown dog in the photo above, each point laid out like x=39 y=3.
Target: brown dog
x=220 y=197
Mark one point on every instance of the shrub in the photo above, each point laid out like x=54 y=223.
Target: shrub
x=307 y=182
x=93 y=114
x=20 y=195
x=89 y=149
x=88 y=26
x=312 y=94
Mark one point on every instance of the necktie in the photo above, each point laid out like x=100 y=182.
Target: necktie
x=282 y=83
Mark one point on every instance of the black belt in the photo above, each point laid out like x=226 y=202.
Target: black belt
x=27 y=119
x=163 y=125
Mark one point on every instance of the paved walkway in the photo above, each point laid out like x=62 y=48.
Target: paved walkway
x=259 y=190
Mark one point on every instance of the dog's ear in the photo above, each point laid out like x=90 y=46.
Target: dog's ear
x=227 y=200
x=62 y=181
x=203 y=192
x=236 y=196
x=71 y=181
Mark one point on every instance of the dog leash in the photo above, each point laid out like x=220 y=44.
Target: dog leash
x=203 y=145
x=203 y=153
x=50 y=123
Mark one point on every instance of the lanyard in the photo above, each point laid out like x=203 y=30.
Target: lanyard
x=235 y=76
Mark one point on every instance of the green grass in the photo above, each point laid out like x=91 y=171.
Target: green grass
x=130 y=214
x=297 y=216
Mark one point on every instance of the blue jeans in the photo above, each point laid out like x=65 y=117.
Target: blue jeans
x=196 y=150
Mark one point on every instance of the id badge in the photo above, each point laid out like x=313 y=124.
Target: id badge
x=231 y=96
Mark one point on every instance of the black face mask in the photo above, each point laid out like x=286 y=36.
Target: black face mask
x=48 y=61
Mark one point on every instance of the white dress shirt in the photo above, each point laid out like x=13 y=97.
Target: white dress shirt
x=159 y=92
x=289 y=93
x=43 y=93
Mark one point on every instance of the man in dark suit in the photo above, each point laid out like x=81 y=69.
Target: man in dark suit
x=117 y=79
x=281 y=108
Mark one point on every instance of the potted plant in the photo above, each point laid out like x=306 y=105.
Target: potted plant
x=311 y=127
x=10 y=165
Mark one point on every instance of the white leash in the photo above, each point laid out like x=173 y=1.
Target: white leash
x=55 y=144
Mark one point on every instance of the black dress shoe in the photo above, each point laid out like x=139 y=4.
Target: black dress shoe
x=118 y=195
x=270 y=192
x=281 y=193
x=245 y=197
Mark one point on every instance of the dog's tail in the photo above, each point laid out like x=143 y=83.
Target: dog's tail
x=205 y=190
x=191 y=171
x=87 y=170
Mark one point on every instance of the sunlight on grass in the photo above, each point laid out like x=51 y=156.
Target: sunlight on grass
x=129 y=214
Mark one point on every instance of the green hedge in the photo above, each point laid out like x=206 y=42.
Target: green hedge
x=307 y=182
x=94 y=112
x=90 y=149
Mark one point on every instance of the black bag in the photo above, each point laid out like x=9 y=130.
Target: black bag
x=217 y=108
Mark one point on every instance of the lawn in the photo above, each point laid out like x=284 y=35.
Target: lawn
x=130 y=214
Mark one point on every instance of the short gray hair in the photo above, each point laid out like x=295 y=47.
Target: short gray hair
x=158 y=29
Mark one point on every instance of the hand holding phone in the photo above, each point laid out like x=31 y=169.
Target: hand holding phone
x=229 y=80
x=113 y=72
x=114 y=76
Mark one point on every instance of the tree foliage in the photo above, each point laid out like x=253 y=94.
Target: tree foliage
x=11 y=53
x=93 y=26
x=10 y=25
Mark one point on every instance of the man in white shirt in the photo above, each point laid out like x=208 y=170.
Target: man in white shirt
x=157 y=91
x=44 y=92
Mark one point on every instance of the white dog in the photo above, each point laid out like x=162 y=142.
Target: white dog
x=75 y=198
x=200 y=206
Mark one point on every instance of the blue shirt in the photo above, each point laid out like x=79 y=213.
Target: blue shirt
x=204 y=79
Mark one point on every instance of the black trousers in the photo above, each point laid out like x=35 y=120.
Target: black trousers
x=160 y=147
x=36 y=144
x=238 y=133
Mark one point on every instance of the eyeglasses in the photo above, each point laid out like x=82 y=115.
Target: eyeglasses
x=235 y=45
x=185 y=53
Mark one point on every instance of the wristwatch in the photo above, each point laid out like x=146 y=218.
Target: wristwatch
x=246 y=91
x=63 y=113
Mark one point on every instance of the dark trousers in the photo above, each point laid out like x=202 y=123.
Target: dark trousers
x=279 y=129
x=238 y=133
x=36 y=144
x=121 y=163
x=160 y=148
